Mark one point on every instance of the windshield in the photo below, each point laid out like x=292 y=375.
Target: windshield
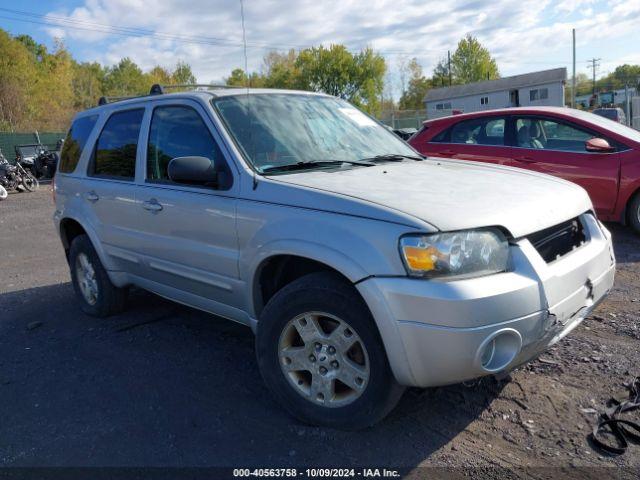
x=277 y=129
x=610 y=114
x=603 y=122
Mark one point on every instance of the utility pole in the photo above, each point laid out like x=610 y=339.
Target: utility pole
x=595 y=63
x=449 y=65
x=573 y=80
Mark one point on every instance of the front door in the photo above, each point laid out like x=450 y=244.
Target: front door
x=189 y=232
x=557 y=147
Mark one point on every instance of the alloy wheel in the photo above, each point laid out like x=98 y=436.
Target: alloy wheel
x=86 y=277
x=324 y=359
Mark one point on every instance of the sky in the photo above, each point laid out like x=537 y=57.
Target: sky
x=523 y=35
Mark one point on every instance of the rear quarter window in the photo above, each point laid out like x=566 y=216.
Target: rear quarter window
x=74 y=143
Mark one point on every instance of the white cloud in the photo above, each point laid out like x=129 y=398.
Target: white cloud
x=523 y=34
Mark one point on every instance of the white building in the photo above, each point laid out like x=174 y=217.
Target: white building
x=545 y=88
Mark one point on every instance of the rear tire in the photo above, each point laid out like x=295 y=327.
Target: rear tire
x=633 y=213
x=97 y=295
x=325 y=299
x=3 y=193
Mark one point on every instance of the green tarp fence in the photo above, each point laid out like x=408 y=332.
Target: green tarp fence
x=8 y=140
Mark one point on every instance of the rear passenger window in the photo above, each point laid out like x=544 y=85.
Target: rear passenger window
x=479 y=131
x=74 y=143
x=178 y=131
x=115 y=152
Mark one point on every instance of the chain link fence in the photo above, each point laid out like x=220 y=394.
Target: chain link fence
x=635 y=113
x=403 y=118
x=8 y=141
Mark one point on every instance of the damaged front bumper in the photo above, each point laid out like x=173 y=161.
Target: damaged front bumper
x=438 y=333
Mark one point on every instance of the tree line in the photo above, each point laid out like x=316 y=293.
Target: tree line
x=360 y=77
x=42 y=89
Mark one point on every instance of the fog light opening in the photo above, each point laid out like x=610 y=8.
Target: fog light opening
x=499 y=350
x=487 y=355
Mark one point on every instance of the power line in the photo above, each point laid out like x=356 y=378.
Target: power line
x=85 y=25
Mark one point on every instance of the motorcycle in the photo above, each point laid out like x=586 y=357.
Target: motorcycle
x=44 y=165
x=15 y=177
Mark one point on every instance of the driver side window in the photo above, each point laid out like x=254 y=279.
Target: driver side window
x=546 y=134
x=178 y=131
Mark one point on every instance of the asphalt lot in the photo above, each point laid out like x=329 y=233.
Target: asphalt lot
x=166 y=385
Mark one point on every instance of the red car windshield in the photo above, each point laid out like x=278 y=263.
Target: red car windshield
x=607 y=124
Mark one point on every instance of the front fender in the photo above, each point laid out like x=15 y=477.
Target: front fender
x=356 y=247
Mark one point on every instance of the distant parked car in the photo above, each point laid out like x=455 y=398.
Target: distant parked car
x=405 y=133
x=600 y=155
x=615 y=114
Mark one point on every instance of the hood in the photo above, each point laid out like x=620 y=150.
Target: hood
x=456 y=195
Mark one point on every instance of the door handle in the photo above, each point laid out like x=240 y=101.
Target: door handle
x=91 y=196
x=152 y=205
x=524 y=159
x=447 y=153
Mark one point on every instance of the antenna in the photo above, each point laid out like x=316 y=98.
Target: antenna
x=246 y=72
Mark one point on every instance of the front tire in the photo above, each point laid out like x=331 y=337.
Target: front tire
x=30 y=183
x=320 y=354
x=98 y=296
x=634 y=213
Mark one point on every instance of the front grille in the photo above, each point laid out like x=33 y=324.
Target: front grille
x=555 y=242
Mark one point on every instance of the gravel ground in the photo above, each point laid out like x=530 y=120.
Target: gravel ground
x=165 y=385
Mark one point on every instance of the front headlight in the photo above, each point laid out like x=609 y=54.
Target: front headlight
x=468 y=253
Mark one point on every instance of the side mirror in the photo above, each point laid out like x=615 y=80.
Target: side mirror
x=193 y=171
x=598 y=145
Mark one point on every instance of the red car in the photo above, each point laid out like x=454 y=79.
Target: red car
x=596 y=153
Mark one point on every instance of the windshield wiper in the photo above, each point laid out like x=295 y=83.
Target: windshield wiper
x=392 y=157
x=313 y=164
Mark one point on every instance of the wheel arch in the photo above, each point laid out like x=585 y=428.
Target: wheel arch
x=277 y=270
x=624 y=215
x=70 y=227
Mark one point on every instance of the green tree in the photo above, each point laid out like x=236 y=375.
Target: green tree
x=37 y=49
x=238 y=78
x=159 y=75
x=88 y=84
x=125 y=78
x=417 y=86
x=17 y=74
x=440 y=76
x=281 y=70
x=182 y=75
x=52 y=96
x=628 y=75
x=471 y=62
x=358 y=78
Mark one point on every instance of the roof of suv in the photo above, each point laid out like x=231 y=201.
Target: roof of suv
x=207 y=94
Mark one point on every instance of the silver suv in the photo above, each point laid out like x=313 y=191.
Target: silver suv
x=361 y=266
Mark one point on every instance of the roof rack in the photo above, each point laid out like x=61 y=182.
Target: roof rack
x=105 y=100
x=157 y=89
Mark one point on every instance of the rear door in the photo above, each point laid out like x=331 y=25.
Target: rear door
x=478 y=139
x=188 y=232
x=557 y=147
x=109 y=191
